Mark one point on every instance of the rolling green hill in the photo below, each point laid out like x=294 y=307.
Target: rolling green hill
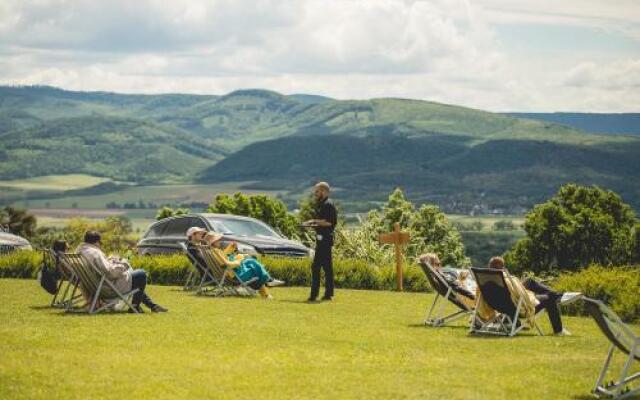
x=460 y=158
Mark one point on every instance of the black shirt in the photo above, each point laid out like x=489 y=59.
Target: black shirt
x=327 y=211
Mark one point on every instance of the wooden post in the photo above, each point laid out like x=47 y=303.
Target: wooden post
x=398 y=239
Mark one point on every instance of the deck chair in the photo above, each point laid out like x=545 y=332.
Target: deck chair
x=200 y=277
x=68 y=280
x=495 y=292
x=445 y=291
x=93 y=282
x=621 y=338
x=221 y=273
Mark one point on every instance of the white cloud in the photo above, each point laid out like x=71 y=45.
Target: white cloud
x=444 y=50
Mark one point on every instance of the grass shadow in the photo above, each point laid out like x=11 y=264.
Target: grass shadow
x=423 y=325
x=301 y=302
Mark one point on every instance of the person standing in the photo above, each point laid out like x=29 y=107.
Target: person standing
x=324 y=224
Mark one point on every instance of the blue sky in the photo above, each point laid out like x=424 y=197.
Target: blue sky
x=498 y=55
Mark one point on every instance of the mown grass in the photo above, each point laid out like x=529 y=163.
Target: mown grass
x=363 y=345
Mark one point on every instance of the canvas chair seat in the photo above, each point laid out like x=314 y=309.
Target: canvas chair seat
x=508 y=320
x=446 y=291
x=622 y=338
x=95 y=284
x=216 y=277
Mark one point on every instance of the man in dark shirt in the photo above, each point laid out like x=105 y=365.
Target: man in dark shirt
x=324 y=224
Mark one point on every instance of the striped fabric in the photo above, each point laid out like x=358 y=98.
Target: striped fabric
x=88 y=275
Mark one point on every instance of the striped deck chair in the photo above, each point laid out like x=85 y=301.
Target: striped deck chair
x=622 y=338
x=65 y=294
x=200 y=278
x=228 y=282
x=93 y=282
x=443 y=290
x=495 y=293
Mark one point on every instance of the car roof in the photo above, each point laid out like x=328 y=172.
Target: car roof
x=208 y=215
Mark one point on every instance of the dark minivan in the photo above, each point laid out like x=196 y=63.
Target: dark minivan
x=252 y=236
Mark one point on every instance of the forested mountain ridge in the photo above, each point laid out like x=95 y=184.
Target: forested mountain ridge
x=455 y=156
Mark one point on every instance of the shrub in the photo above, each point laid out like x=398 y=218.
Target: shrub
x=618 y=287
x=20 y=264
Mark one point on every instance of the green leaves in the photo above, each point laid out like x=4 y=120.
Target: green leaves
x=579 y=226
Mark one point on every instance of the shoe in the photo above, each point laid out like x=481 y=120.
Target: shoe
x=158 y=309
x=269 y=297
x=275 y=282
x=311 y=300
x=325 y=298
x=136 y=308
x=570 y=297
x=563 y=332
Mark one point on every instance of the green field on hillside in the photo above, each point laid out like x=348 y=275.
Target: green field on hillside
x=161 y=194
x=363 y=345
x=53 y=182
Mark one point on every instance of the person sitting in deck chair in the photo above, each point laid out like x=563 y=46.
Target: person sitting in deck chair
x=244 y=267
x=459 y=285
x=536 y=295
x=123 y=276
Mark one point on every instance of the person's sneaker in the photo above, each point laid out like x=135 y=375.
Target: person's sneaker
x=158 y=308
x=570 y=297
x=325 y=298
x=269 y=297
x=311 y=300
x=275 y=282
x=136 y=308
x=563 y=332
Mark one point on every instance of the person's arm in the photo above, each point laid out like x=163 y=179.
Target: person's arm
x=113 y=270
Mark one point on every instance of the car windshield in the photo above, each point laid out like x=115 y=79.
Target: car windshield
x=242 y=227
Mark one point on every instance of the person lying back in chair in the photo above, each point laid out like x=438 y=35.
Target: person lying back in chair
x=244 y=267
x=536 y=296
x=121 y=274
x=459 y=285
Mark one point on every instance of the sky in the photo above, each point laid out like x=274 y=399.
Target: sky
x=496 y=55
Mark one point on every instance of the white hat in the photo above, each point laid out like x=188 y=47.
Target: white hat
x=194 y=229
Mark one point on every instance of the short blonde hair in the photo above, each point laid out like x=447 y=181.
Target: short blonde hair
x=496 y=262
x=431 y=258
x=323 y=185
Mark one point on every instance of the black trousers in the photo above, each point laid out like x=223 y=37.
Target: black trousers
x=139 y=281
x=548 y=299
x=322 y=260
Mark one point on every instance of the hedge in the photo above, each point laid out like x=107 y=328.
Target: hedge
x=617 y=286
x=173 y=270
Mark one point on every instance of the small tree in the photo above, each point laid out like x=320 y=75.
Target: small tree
x=18 y=221
x=579 y=226
x=167 y=211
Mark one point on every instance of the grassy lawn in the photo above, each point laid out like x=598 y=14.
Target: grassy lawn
x=363 y=345
x=54 y=182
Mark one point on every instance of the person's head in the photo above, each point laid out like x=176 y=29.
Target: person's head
x=321 y=191
x=432 y=259
x=60 y=246
x=496 y=262
x=213 y=238
x=92 y=237
x=195 y=234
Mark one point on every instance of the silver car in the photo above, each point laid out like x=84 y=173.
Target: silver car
x=10 y=242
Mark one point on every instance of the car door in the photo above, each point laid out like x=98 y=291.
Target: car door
x=150 y=243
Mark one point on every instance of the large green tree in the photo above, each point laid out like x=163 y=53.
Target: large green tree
x=578 y=226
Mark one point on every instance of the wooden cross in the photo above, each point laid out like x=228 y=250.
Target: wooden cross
x=398 y=239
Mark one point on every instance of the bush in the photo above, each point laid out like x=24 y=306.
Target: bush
x=618 y=287
x=20 y=264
